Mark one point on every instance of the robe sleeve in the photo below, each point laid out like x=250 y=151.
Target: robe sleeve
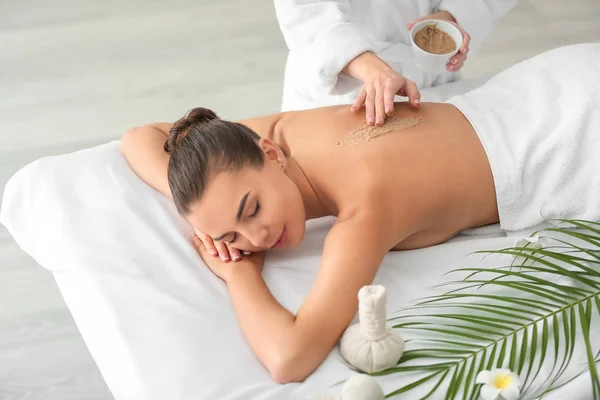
x=324 y=35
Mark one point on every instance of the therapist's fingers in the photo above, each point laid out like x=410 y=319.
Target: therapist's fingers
x=459 y=57
x=457 y=67
x=456 y=62
x=410 y=90
x=454 y=67
x=379 y=106
x=360 y=100
x=370 y=106
x=388 y=97
x=464 y=48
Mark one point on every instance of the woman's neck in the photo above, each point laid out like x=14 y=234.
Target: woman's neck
x=313 y=203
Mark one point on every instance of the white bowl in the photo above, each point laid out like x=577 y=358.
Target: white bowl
x=429 y=62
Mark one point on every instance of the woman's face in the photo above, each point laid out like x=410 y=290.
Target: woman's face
x=252 y=209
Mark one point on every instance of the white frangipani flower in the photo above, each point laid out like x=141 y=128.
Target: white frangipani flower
x=359 y=387
x=533 y=242
x=499 y=382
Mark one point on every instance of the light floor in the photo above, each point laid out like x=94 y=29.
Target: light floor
x=75 y=73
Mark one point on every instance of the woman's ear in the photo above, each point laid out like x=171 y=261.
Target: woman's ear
x=272 y=152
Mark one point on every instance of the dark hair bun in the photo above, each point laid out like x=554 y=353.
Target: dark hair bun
x=180 y=129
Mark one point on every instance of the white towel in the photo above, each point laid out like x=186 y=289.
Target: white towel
x=324 y=36
x=539 y=122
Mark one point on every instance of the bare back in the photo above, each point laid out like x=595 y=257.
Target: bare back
x=431 y=180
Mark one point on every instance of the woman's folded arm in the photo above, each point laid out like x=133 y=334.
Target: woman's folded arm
x=143 y=148
x=292 y=347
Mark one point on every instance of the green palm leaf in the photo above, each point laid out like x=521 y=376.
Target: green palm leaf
x=520 y=316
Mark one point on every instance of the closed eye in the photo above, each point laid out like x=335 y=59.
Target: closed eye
x=233 y=239
x=255 y=210
x=235 y=235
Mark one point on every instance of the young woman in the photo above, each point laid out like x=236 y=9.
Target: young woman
x=522 y=146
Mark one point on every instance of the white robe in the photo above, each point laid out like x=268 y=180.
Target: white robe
x=324 y=35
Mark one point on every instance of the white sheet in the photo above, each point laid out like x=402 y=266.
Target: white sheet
x=158 y=323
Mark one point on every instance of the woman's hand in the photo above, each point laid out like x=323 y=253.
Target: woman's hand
x=381 y=84
x=456 y=62
x=223 y=269
x=220 y=249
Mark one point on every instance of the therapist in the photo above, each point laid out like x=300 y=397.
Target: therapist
x=359 y=51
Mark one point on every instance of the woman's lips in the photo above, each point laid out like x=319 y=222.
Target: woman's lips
x=282 y=239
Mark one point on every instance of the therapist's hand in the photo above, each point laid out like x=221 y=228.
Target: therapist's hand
x=381 y=84
x=456 y=62
x=218 y=249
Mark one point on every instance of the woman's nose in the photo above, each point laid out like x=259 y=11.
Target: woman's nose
x=259 y=237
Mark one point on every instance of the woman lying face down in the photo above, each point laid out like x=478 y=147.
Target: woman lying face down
x=251 y=185
x=442 y=168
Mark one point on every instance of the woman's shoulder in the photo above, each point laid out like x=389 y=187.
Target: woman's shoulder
x=264 y=125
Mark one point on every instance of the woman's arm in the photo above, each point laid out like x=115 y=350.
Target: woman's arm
x=291 y=346
x=143 y=148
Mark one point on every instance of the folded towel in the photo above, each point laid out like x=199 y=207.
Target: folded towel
x=539 y=122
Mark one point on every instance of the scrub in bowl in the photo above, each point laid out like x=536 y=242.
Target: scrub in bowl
x=434 y=43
